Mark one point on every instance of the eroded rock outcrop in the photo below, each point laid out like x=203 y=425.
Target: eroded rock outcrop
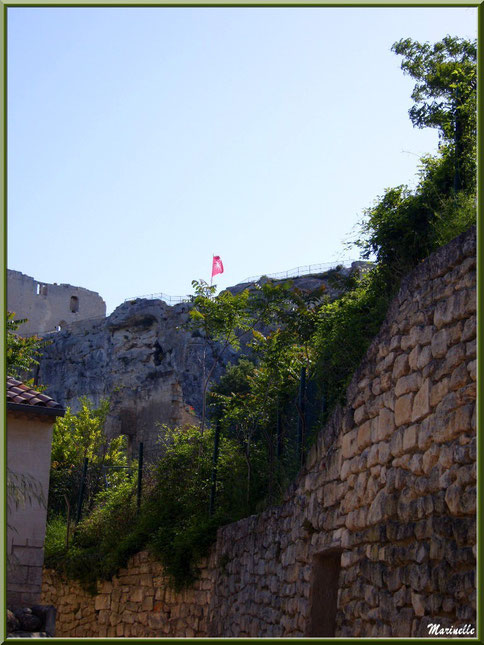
x=145 y=360
x=141 y=357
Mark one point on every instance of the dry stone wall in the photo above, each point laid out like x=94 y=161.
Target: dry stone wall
x=377 y=536
x=137 y=602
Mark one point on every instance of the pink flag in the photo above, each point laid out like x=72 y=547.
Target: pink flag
x=217 y=266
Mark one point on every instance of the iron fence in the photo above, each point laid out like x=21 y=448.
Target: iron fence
x=307 y=269
x=169 y=300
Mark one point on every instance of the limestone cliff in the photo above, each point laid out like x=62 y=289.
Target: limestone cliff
x=144 y=359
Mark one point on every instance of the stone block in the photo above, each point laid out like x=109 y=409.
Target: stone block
x=403 y=410
x=136 y=594
x=389 y=400
x=396 y=443
x=400 y=367
x=385 y=381
x=106 y=587
x=360 y=415
x=376 y=386
x=383 y=452
x=424 y=357
x=438 y=391
x=413 y=357
x=409 y=383
x=147 y=603
x=349 y=447
x=364 y=436
x=430 y=458
x=454 y=357
x=382 y=508
x=469 y=330
x=460 y=502
x=421 y=403
x=406 y=342
x=102 y=601
x=386 y=424
x=471 y=349
x=440 y=343
x=471 y=368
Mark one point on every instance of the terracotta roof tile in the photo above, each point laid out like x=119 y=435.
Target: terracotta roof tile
x=18 y=392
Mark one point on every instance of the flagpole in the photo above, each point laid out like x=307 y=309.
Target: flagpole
x=211 y=271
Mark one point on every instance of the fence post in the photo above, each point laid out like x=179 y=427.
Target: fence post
x=301 y=417
x=279 y=432
x=81 y=490
x=214 y=469
x=140 y=476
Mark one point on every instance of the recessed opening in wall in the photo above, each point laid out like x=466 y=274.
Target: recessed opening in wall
x=74 y=304
x=323 y=599
x=41 y=289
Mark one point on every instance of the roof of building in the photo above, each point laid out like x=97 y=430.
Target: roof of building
x=23 y=398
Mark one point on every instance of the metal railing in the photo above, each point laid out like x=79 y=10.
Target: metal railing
x=306 y=269
x=170 y=300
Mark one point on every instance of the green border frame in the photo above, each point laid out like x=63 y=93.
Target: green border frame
x=4 y=5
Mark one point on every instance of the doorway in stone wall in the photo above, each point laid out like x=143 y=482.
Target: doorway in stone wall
x=323 y=599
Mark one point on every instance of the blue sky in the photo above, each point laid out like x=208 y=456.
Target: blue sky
x=143 y=140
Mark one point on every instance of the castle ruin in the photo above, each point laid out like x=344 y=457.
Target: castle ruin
x=49 y=307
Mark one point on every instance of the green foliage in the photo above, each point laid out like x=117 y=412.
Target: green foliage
x=252 y=398
x=180 y=499
x=173 y=521
x=221 y=317
x=445 y=97
x=396 y=230
x=446 y=73
x=79 y=436
x=404 y=226
x=220 y=320
x=22 y=353
x=345 y=330
x=56 y=541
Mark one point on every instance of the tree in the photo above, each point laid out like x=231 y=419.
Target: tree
x=404 y=226
x=445 y=96
x=76 y=437
x=22 y=353
x=220 y=319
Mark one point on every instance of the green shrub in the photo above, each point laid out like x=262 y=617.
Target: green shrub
x=345 y=330
x=173 y=521
x=56 y=543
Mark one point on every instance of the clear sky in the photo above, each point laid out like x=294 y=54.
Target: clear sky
x=143 y=140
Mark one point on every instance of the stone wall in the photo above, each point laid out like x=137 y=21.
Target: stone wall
x=377 y=536
x=137 y=602
x=49 y=307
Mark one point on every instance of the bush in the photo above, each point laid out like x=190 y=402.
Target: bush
x=345 y=330
x=76 y=437
x=173 y=521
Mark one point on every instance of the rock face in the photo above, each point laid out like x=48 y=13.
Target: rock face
x=377 y=536
x=140 y=357
x=144 y=360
